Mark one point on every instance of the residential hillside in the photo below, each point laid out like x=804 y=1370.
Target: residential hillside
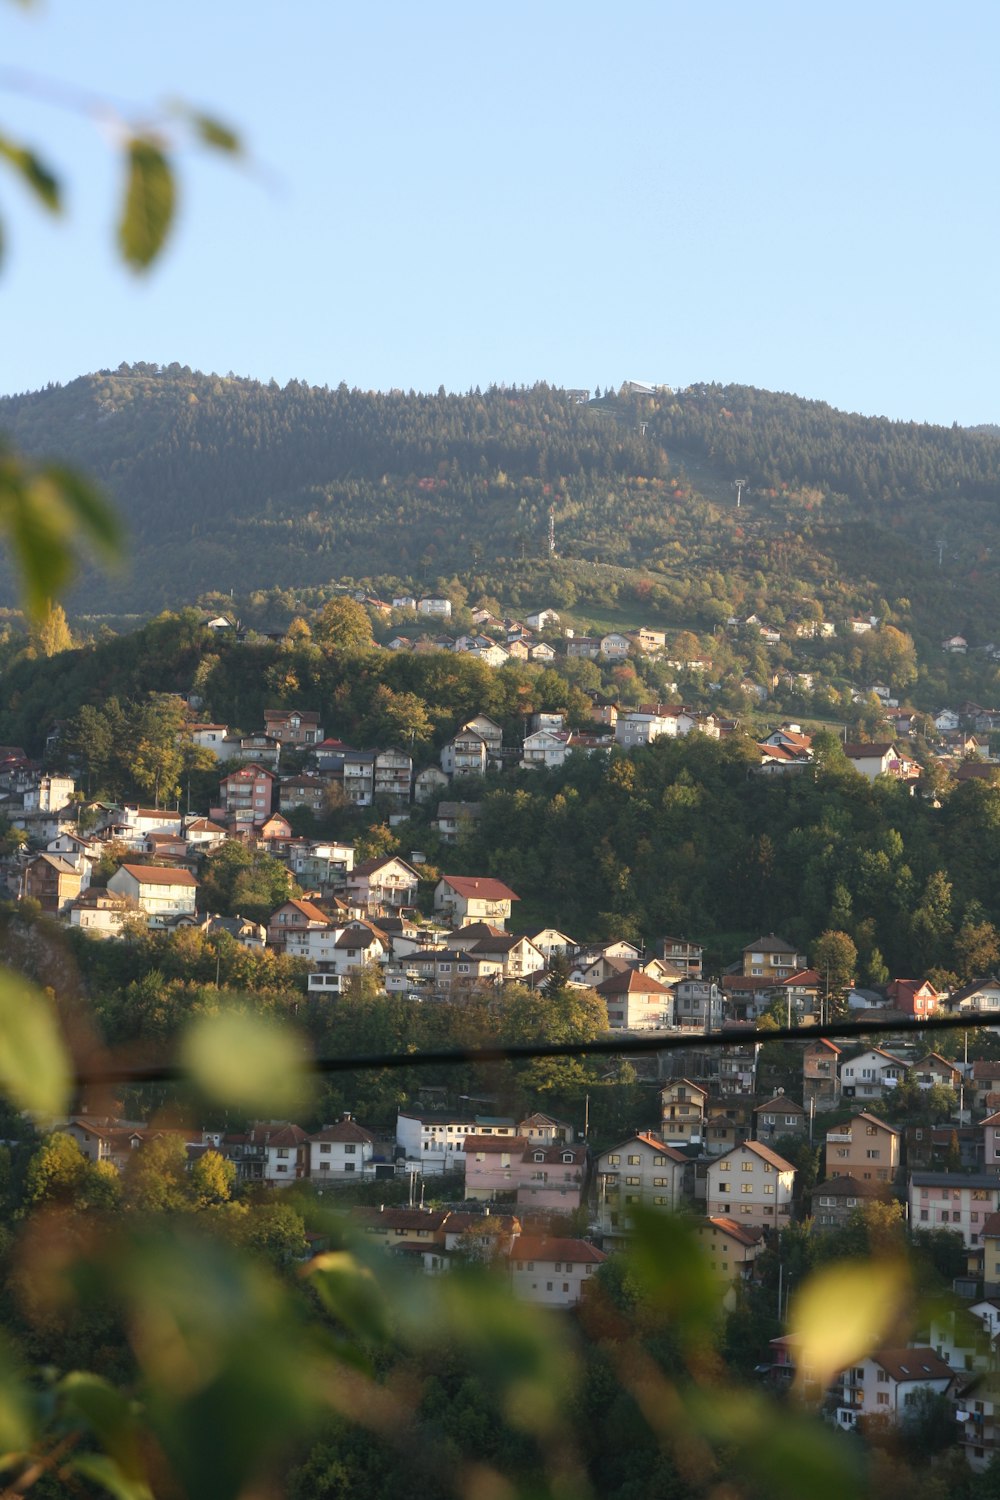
x=228 y=483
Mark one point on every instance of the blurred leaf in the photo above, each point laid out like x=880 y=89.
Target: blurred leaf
x=246 y=1062
x=34 y=1070
x=785 y=1453
x=149 y=203
x=215 y=133
x=841 y=1313
x=109 y=1416
x=351 y=1293
x=46 y=511
x=673 y=1270
x=103 y=1470
x=33 y=172
x=230 y=1371
x=16 y=1410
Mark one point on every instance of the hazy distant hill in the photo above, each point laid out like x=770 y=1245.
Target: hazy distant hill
x=229 y=483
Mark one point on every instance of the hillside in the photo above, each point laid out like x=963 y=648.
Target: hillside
x=228 y=483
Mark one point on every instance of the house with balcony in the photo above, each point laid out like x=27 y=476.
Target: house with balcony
x=294 y=727
x=779 y=1116
x=436 y=1142
x=387 y=881
x=820 y=1075
x=698 y=1005
x=394 y=776
x=246 y=797
x=871 y=1074
x=359 y=777
x=305 y=790
x=289 y=928
x=683 y=1107
x=772 y=957
x=866 y=1148
x=462 y=899
x=639 y=1170
x=890 y=1384
x=465 y=754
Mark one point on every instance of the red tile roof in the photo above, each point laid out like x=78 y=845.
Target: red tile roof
x=159 y=875
x=576 y=1252
x=480 y=888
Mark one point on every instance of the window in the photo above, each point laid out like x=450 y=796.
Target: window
x=548 y=1286
x=873 y=1155
x=635 y=1161
x=633 y=1182
x=882 y=1377
x=614 y=1161
x=746 y=1166
x=882 y=1398
x=723 y=1187
x=324 y=1150
x=565 y=1286
x=282 y=1151
x=660 y=1182
x=747 y=1187
x=350 y=1150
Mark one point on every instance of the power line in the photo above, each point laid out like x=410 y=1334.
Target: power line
x=527 y=1051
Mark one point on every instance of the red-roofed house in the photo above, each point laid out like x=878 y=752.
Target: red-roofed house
x=552 y=1272
x=636 y=1002
x=473 y=898
x=889 y=1384
x=731 y=1248
x=914 y=997
x=341 y=1150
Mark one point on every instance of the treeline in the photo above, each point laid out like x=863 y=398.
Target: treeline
x=227 y=482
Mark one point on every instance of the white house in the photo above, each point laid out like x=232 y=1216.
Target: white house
x=751 y=1184
x=473 y=898
x=872 y=1074
x=552 y=1272
x=888 y=1384
x=437 y=1142
x=341 y=1150
x=641 y=1169
x=163 y=894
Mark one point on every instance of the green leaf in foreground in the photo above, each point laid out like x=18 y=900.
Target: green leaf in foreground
x=109 y=1416
x=33 y=173
x=34 y=1069
x=150 y=197
x=46 y=511
x=842 y=1313
x=246 y=1062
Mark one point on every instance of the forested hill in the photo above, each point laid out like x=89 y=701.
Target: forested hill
x=229 y=483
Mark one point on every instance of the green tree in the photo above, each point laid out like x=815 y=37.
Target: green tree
x=343 y=625
x=836 y=958
x=212 y=1179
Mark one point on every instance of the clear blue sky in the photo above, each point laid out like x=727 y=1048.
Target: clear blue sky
x=798 y=196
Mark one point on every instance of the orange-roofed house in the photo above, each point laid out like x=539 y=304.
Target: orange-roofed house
x=731 y=1249
x=890 y=1383
x=473 y=898
x=552 y=1272
x=163 y=894
x=290 y=925
x=820 y=1075
x=637 y=1002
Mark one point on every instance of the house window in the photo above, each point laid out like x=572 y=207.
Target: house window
x=747 y=1187
x=324 y=1150
x=723 y=1187
x=746 y=1166
x=633 y=1182
x=873 y=1155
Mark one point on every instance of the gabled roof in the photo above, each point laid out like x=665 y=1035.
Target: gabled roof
x=645 y=1139
x=345 y=1130
x=480 y=888
x=278 y=1135
x=850 y=1187
x=912 y=1364
x=743 y=1234
x=770 y=944
x=371 y=866
x=632 y=982
x=307 y=909
x=779 y=1102
x=871 y=1119
x=764 y=1152
x=159 y=875
x=576 y=1252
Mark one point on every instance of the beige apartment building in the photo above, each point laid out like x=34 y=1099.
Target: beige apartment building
x=865 y=1148
x=752 y=1185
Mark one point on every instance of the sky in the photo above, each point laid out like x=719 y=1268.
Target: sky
x=796 y=196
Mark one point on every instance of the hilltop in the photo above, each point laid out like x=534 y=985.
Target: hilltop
x=229 y=483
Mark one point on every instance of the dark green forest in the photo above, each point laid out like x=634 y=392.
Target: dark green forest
x=227 y=483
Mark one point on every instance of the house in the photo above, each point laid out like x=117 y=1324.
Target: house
x=934 y=1069
x=386 y=881
x=246 y=796
x=698 y=1005
x=955 y=645
x=979 y=998
x=293 y=727
x=961 y=1202
x=340 y=1151
x=163 y=894
x=682 y=1112
x=636 y=1002
x=538 y=1127
x=751 y=1184
x=54 y=882
x=466 y=754
x=437 y=1141
x=542 y=652
x=320 y=862
x=553 y=1177
x=552 y=1272
x=428 y=784
x=552 y=943
x=541 y=619
x=641 y=726
x=889 y=1383
x=99 y=913
x=305 y=790
x=650 y=641
x=546 y=748
x=394 y=776
x=779 y=1116
x=493 y=1165
x=290 y=924
x=359 y=777
x=516 y=958
x=614 y=646
x=404 y=1228
x=878 y=759
x=473 y=898
x=285 y=1153
x=865 y=1148
x=682 y=957
x=871 y=1074
x=456 y=819
x=640 y=1169
x=440 y=608
x=914 y=997
x=986 y=1084
x=727 y=1124
x=834 y=1201
x=771 y=958
x=587 y=647
x=731 y=1249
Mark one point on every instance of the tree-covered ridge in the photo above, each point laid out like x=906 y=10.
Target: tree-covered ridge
x=226 y=482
